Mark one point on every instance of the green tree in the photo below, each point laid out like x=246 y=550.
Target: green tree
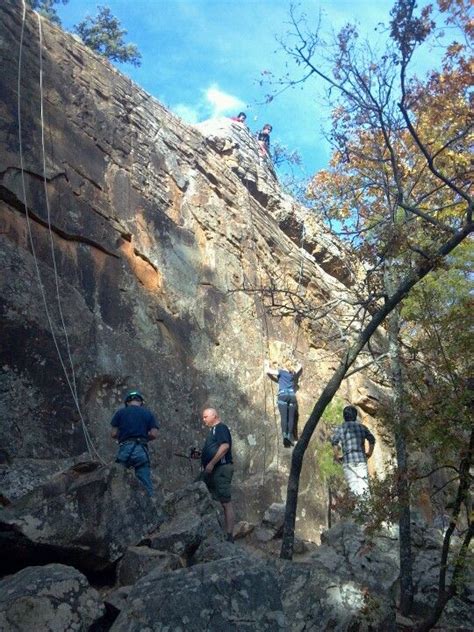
x=400 y=179
x=103 y=33
x=46 y=8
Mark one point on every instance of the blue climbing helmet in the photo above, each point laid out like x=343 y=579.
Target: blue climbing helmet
x=133 y=395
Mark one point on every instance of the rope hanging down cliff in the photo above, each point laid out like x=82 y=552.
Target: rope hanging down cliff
x=265 y=338
x=71 y=382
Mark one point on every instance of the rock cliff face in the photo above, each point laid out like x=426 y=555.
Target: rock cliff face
x=162 y=234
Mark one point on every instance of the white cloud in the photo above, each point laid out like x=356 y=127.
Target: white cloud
x=221 y=102
x=188 y=113
x=213 y=103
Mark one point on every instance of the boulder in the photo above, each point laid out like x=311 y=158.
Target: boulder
x=140 y=560
x=317 y=600
x=21 y=476
x=371 y=561
x=459 y=611
x=192 y=517
x=87 y=518
x=272 y=523
x=213 y=548
x=243 y=529
x=222 y=595
x=51 y=598
x=246 y=593
x=116 y=600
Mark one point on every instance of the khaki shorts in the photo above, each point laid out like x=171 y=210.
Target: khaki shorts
x=218 y=483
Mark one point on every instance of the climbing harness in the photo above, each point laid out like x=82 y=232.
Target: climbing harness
x=71 y=381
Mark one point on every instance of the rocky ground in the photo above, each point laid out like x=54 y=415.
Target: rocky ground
x=89 y=551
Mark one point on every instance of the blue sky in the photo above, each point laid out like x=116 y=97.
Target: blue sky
x=203 y=58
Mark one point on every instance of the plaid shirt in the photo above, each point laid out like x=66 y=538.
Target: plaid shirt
x=351 y=436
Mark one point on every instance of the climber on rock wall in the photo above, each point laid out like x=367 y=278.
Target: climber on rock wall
x=133 y=426
x=287 y=379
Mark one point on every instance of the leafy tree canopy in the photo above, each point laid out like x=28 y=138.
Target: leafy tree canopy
x=104 y=35
x=46 y=8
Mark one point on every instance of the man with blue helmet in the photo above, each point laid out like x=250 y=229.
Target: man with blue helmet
x=133 y=426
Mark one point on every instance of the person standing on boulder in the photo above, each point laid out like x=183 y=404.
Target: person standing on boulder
x=216 y=464
x=351 y=437
x=133 y=426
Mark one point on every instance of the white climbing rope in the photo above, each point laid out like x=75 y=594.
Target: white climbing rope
x=72 y=385
x=298 y=285
x=265 y=337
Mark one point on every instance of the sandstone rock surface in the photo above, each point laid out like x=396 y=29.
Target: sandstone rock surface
x=163 y=237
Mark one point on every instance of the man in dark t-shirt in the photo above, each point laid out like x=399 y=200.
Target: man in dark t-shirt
x=263 y=140
x=217 y=467
x=133 y=426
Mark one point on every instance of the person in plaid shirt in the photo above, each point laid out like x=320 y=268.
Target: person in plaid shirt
x=351 y=437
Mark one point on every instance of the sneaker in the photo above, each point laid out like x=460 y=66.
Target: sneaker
x=287 y=443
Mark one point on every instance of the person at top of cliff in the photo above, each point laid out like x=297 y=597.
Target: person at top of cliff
x=287 y=379
x=240 y=118
x=133 y=426
x=217 y=465
x=351 y=436
x=263 y=140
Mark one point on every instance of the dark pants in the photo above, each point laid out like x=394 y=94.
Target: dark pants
x=288 y=407
x=135 y=454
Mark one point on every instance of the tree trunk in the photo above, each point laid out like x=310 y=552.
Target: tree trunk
x=332 y=386
x=329 y=515
x=458 y=577
x=400 y=420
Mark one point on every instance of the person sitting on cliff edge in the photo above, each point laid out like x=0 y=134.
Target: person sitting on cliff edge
x=240 y=118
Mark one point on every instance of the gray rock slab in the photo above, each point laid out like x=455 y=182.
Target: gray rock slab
x=216 y=597
x=192 y=517
x=87 y=518
x=140 y=560
x=52 y=598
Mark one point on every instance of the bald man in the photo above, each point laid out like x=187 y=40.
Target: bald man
x=216 y=464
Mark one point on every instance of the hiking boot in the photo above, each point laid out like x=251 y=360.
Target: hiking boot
x=287 y=442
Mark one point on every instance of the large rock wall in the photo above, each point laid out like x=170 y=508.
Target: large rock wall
x=157 y=229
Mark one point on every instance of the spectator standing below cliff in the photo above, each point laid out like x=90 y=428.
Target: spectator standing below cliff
x=263 y=139
x=217 y=467
x=351 y=437
x=240 y=118
x=287 y=380
x=133 y=426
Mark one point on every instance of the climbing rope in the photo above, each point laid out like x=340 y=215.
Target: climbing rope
x=298 y=286
x=72 y=385
x=265 y=329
